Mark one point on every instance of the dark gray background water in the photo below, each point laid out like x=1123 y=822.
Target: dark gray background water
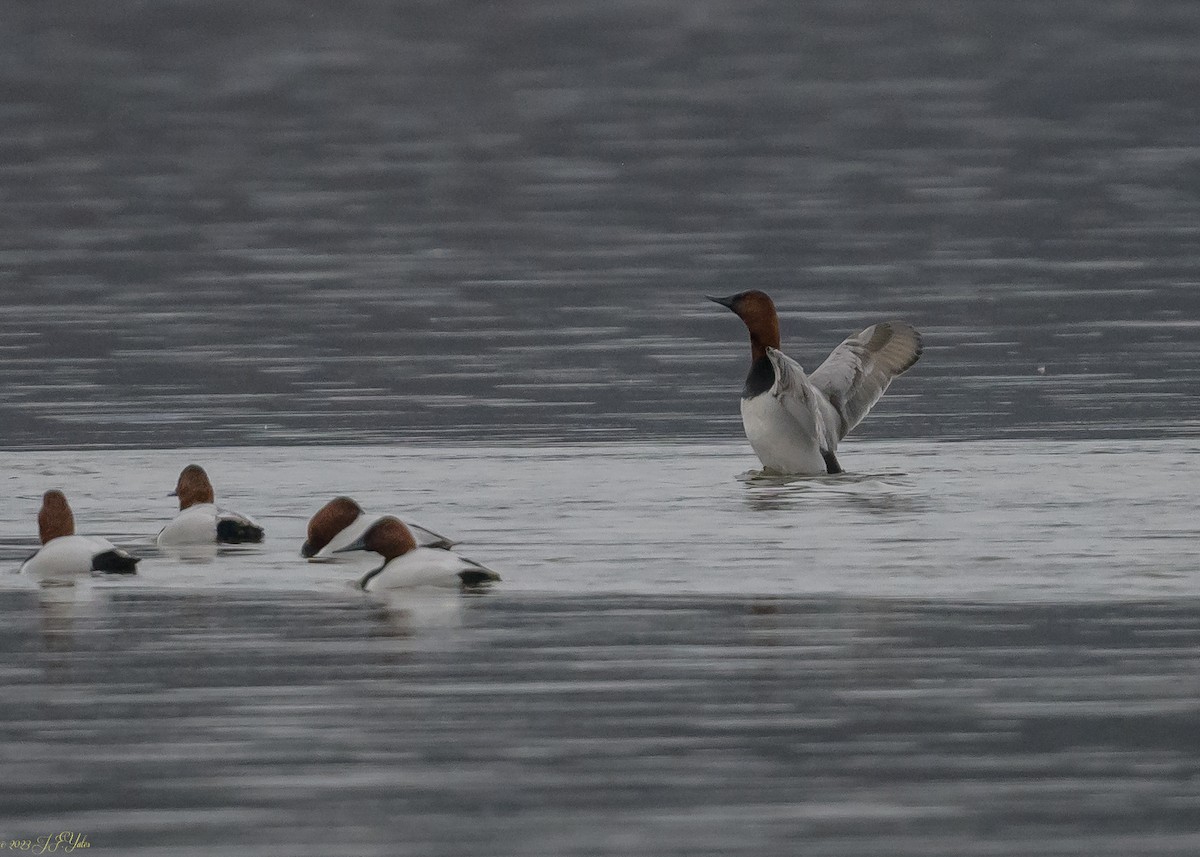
x=286 y=224
x=228 y=222
x=550 y=726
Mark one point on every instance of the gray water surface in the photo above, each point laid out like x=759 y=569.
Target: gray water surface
x=961 y=648
x=457 y=221
x=1001 y=520
x=286 y=723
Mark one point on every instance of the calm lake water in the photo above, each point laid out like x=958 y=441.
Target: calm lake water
x=960 y=647
x=449 y=259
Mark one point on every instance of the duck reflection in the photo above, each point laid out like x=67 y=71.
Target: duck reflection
x=415 y=613
x=58 y=602
x=886 y=494
x=770 y=492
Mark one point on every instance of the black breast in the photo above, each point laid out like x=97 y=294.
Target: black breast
x=760 y=379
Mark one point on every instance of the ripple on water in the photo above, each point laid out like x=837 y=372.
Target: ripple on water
x=542 y=723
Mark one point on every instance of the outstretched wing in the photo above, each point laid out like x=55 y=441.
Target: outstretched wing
x=855 y=375
x=801 y=400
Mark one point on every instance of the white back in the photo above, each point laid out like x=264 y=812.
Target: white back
x=423 y=567
x=65 y=557
x=194 y=525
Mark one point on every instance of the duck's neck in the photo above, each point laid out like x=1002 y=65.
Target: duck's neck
x=764 y=334
x=758 y=350
x=760 y=379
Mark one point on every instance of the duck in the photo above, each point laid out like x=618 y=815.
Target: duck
x=794 y=421
x=65 y=555
x=200 y=521
x=408 y=565
x=342 y=521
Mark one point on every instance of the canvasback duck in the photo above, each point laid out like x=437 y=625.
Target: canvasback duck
x=342 y=521
x=794 y=421
x=406 y=565
x=63 y=554
x=200 y=521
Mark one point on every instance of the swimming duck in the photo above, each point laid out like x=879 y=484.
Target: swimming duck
x=342 y=521
x=406 y=565
x=63 y=554
x=200 y=521
x=794 y=421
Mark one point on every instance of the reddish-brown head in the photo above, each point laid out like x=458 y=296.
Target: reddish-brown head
x=757 y=310
x=193 y=487
x=55 y=518
x=389 y=538
x=334 y=516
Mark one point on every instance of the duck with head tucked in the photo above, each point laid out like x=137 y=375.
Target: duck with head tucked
x=342 y=521
x=408 y=565
x=794 y=420
x=200 y=521
x=63 y=554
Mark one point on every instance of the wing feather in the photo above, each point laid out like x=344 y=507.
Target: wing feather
x=801 y=400
x=857 y=372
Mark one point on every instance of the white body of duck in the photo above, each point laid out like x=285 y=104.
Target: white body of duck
x=428 y=567
x=200 y=521
x=64 y=555
x=341 y=522
x=205 y=523
x=793 y=420
x=73 y=556
x=407 y=565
